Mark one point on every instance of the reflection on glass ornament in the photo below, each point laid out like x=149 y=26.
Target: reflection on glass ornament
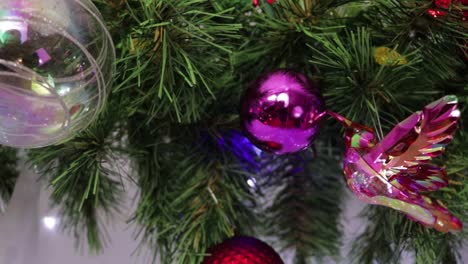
x=56 y=64
x=395 y=171
x=280 y=112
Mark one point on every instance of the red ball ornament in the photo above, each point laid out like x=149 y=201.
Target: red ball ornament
x=242 y=250
x=465 y=11
x=256 y=2
x=445 y=4
x=280 y=112
x=442 y=4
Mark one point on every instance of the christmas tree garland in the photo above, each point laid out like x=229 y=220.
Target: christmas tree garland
x=189 y=99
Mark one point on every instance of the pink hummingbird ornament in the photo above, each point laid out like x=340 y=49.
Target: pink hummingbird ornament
x=257 y=2
x=394 y=171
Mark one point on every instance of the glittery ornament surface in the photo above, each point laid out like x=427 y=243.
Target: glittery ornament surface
x=242 y=250
x=56 y=63
x=396 y=170
x=464 y=3
x=442 y=6
x=280 y=112
x=257 y=3
x=387 y=56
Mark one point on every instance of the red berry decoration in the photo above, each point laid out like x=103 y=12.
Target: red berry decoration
x=280 y=112
x=242 y=250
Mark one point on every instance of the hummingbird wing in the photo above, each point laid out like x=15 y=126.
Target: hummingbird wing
x=406 y=151
x=420 y=178
x=401 y=192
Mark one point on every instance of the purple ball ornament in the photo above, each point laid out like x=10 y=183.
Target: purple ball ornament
x=280 y=112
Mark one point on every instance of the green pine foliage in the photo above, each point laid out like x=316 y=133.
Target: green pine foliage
x=369 y=93
x=173 y=55
x=85 y=176
x=181 y=69
x=8 y=175
x=305 y=214
x=193 y=193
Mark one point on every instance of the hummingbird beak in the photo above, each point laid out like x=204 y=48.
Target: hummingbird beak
x=357 y=136
x=343 y=120
x=320 y=116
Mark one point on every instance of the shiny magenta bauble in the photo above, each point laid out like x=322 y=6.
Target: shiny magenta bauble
x=280 y=112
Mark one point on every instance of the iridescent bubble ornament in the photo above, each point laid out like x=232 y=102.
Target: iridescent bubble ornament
x=280 y=112
x=56 y=64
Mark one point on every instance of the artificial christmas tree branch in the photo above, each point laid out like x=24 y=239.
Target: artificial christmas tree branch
x=349 y=68
x=400 y=235
x=192 y=195
x=173 y=75
x=9 y=175
x=408 y=24
x=85 y=179
x=306 y=212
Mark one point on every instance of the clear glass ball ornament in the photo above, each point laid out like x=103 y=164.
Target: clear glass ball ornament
x=56 y=66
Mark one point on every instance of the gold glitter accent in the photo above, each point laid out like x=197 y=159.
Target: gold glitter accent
x=144 y=44
x=388 y=57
